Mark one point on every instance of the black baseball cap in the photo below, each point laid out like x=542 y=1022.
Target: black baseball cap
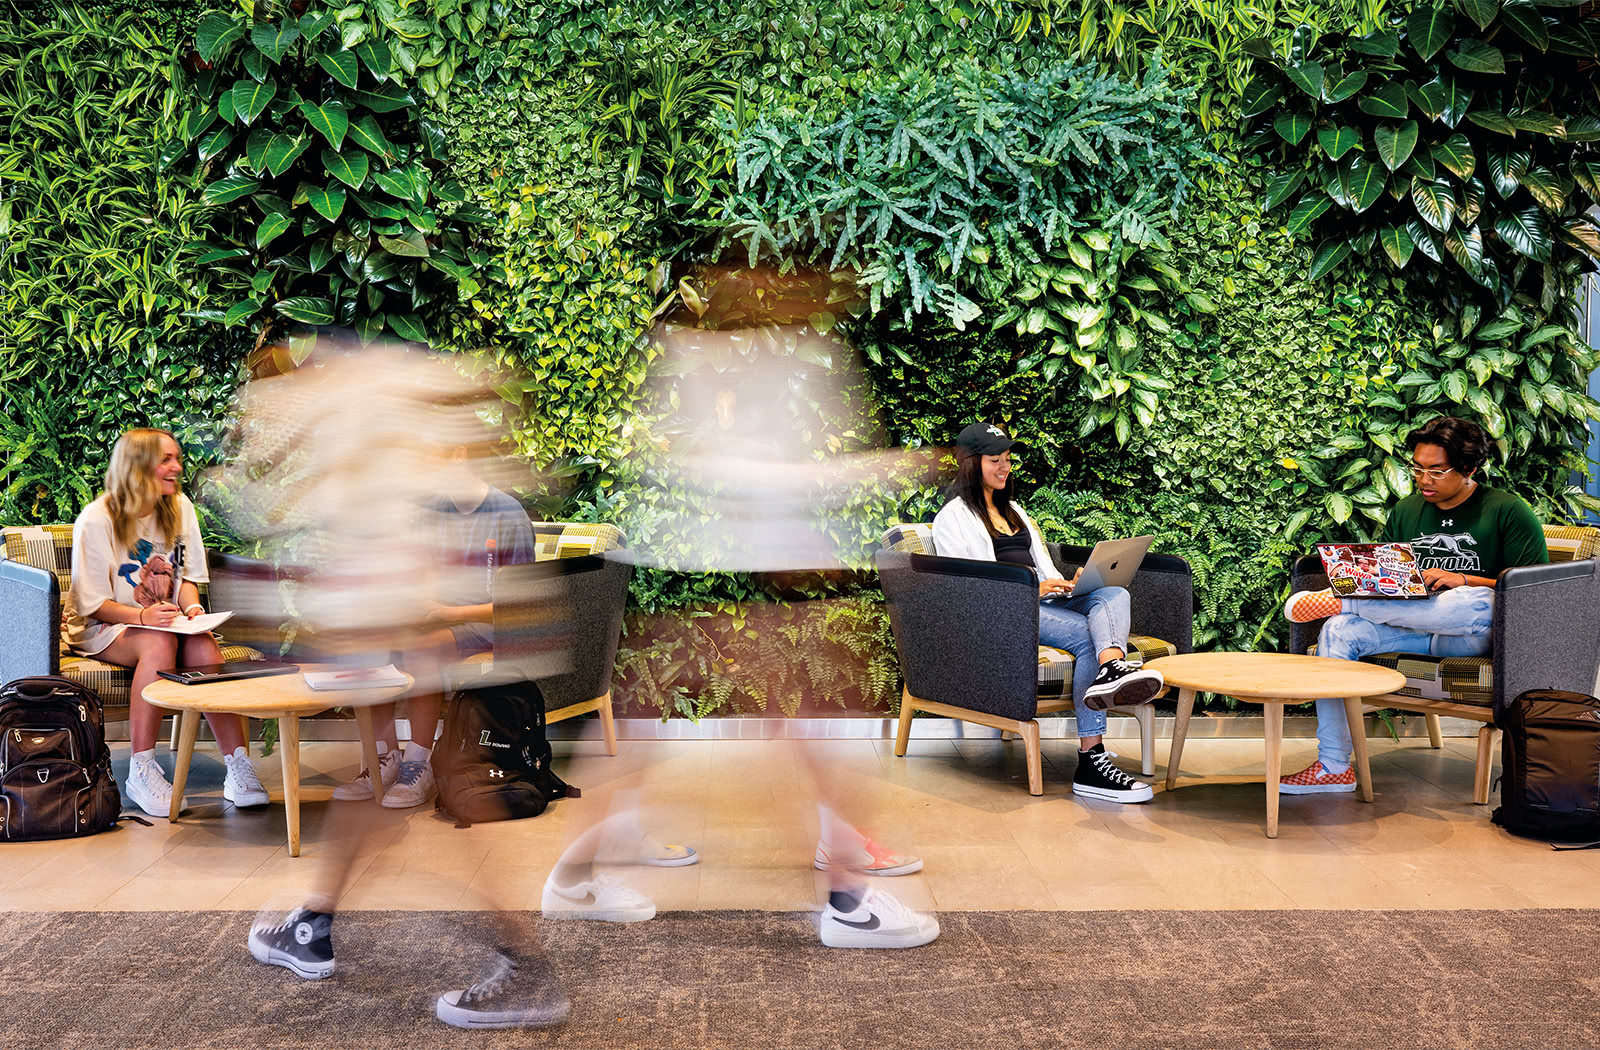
x=985 y=439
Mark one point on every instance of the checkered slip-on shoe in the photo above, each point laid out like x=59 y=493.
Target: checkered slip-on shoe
x=1314 y=780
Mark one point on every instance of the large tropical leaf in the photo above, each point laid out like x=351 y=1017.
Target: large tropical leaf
x=1337 y=141
x=1307 y=76
x=327 y=200
x=1574 y=39
x=1506 y=168
x=1420 y=163
x=255 y=149
x=283 y=150
x=228 y=189
x=1585 y=128
x=329 y=118
x=1383 y=43
x=1363 y=183
x=1527 y=21
x=1258 y=98
x=1456 y=154
x=1537 y=121
x=1279 y=189
x=1330 y=254
x=1586 y=170
x=1482 y=12
x=213 y=144
x=240 y=311
x=377 y=57
x=388 y=98
x=1292 y=127
x=274 y=41
x=341 y=66
x=349 y=167
x=250 y=98
x=1475 y=56
x=1423 y=237
x=379 y=209
x=313 y=26
x=410 y=244
x=1306 y=212
x=225 y=107
x=365 y=131
x=1397 y=245
x=1346 y=86
x=1581 y=233
x=1328 y=179
x=1466 y=245
x=1395 y=142
x=1429 y=28
x=307 y=309
x=1435 y=201
x=1429 y=97
x=408 y=326
x=1386 y=101
x=1457 y=101
x=255 y=63
x=273 y=225
x=1494 y=121
x=214 y=33
x=1548 y=188
x=1527 y=232
x=1473 y=192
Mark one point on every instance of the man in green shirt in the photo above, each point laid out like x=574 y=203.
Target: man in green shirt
x=1464 y=535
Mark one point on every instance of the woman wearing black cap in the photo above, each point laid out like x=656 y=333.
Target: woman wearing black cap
x=982 y=523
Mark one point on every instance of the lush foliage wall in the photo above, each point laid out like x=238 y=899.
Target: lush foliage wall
x=1137 y=296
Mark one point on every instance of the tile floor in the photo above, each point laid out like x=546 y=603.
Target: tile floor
x=750 y=807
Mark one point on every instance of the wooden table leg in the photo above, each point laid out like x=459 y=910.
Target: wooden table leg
x=369 y=752
x=289 y=747
x=1358 y=739
x=1273 y=710
x=189 y=728
x=1180 y=726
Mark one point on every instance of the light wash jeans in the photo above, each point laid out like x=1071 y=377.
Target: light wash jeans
x=1456 y=622
x=1084 y=625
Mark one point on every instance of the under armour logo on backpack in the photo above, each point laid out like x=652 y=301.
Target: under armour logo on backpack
x=496 y=774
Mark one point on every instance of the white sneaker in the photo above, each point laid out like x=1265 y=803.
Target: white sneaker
x=360 y=789
x=603 y=899
x=147 y=788
x=879 y=921
x=413 y=785
x=242 y=785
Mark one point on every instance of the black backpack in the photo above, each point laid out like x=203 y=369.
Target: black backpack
x=55 y=769
x=493 y=761
x=1550 y=766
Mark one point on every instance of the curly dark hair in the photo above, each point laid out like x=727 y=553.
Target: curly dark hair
x=1465 y=445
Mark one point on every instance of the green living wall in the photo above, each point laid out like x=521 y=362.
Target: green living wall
x=1101 y=224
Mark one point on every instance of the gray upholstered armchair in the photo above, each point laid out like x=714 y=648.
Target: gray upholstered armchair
x=967 y=636
x=1546 y=635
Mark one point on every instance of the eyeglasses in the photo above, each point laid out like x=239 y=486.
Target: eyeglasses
x=1429 y=473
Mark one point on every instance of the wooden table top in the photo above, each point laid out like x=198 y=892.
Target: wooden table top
x=1276 y=676
x=267 y=697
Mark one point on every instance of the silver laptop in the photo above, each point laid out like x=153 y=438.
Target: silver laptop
x=1113 y=563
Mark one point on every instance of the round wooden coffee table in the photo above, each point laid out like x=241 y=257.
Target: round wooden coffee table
x=284 y=697
x=1273 y=680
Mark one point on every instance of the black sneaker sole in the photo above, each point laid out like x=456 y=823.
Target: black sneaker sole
x=1131 y=691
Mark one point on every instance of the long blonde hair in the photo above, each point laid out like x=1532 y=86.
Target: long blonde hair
x=132 y=490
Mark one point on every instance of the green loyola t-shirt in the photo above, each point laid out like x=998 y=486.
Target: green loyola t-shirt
x=1492 y=531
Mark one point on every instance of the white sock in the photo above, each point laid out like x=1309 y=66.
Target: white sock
x=415 y=752
x=1334 y=769
x=240 y=752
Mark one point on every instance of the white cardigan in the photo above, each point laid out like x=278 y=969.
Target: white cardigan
x=959 y=533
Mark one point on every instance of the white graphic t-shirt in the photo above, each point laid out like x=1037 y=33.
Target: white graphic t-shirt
x=141 y=576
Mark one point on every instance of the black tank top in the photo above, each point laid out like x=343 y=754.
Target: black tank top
x=1015 y=549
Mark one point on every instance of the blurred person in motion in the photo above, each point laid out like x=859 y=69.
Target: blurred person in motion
x=752 y=483
x=982 y=522
x=137 y=562
x=337 y=466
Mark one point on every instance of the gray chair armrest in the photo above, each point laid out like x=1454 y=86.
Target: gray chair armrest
x=591 y=593
x=1162 y=595
x=1546 y=629
x=967 y=632
x=1307 y=575
x=30 y=629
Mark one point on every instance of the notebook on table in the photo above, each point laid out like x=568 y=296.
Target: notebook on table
x=1372 y=570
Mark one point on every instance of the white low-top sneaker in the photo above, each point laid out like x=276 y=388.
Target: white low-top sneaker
x=602 y=899
x=360 y=788
x=878 y=921
x=413 y=785
x=147 y=788
x=242 y=785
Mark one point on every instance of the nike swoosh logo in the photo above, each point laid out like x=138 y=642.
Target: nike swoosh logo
x=870 y=924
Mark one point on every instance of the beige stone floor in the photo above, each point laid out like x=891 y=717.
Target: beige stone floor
x=750 y=808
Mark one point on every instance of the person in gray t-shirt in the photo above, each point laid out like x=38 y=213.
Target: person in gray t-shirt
x=472 y=529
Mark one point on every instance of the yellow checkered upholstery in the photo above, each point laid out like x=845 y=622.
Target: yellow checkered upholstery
x=1055 y=665
x=909 y=539
x=568 y=539
x=1571 y=542
x=49 y=547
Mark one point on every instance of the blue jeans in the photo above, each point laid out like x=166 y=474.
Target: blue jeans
x=1085 y=625
x=1456 y=622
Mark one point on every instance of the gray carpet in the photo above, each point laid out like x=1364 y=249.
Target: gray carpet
x=758 y=980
